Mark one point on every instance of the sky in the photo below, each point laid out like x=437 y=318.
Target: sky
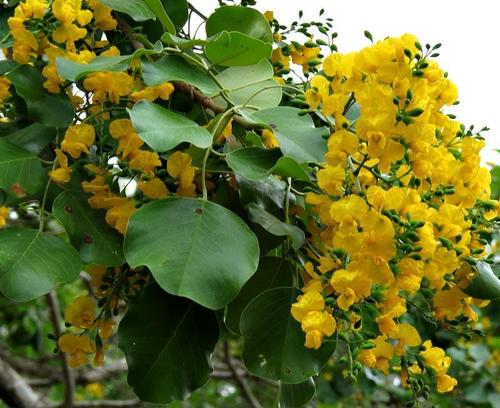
x=468 y=30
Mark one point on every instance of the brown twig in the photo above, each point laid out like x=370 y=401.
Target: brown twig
x=245 y=390
x=68 y=375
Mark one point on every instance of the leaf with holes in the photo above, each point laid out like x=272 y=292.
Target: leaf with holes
x=168 y=353
x=87 y=230
x=197 y=258
x=273 y=342
x=21 y=174
x=32 y=262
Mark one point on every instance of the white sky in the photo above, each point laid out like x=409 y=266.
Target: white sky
x=468 y=30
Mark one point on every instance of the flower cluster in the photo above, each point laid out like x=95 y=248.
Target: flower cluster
x=402 y=211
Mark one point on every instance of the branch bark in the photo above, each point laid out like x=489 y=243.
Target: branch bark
x=245 y=390
x=15 y=392
x=68 y=375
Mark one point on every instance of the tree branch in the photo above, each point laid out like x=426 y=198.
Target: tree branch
x=15 y=392
x=240 y=381
x=68 y=375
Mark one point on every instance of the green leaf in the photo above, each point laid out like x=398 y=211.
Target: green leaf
x=297 y=395
x=6 y=38
x=6 y=66
x=177 y=11
x=167 y=341
x=88 y=232
x=274 y=226
x=33 y=138
x=485 y=284
x=176 y=68
x=197 y=259
x=21 y=173
x=156 y=7
x=268 y=193
x=273 y=342
x=32 y=262
x=254 y=163
x=495 y=182
x=246 y=20
x=137 y=9
x=247 y=85
x=46 y=108
x=74 y=71
x=271 y=273
x=236 y=49
x=297 y=136
x=182 y=43
x=164 y=129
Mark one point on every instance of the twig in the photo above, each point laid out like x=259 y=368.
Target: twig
x=68 y=375
x=240 y=381
x=196 y=11
x=15 y=392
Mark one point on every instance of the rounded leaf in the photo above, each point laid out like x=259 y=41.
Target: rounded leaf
x=167 y=341
x=236 y=49
x=272 y=273
x=163 y=129
x=297 y=395
x=246 y=20
x=87 y=230
x=194 y=248
x=32 y=262
x=273 y=342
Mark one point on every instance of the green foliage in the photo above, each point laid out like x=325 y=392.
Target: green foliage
x=199 y=259
x=168 y=353
x=96 y=241
x=164 y=129
x=273 y=344
x=32 y=262
x=48 y=109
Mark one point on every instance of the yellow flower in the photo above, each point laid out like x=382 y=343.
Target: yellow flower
x=445 y=383
x=81 y=312
x=152 y=93
x=4 y=89
x=146 y=161
x=179 y=167
x=95 y=389
x=331 y=179
x=78 y=139
x=68 y=33
x=109 y=85
x=67 y=11
x=435 y=358
x=281 y=62
x=77 y=347
x=62 y=174
x=129 y=141
x=379 y=356
x=269 y=138
x=154 y=188
x=269 y=15
x=316 y=325
x=308 y=302
x=102 y=16
x=4 y=215
x=118 y=215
